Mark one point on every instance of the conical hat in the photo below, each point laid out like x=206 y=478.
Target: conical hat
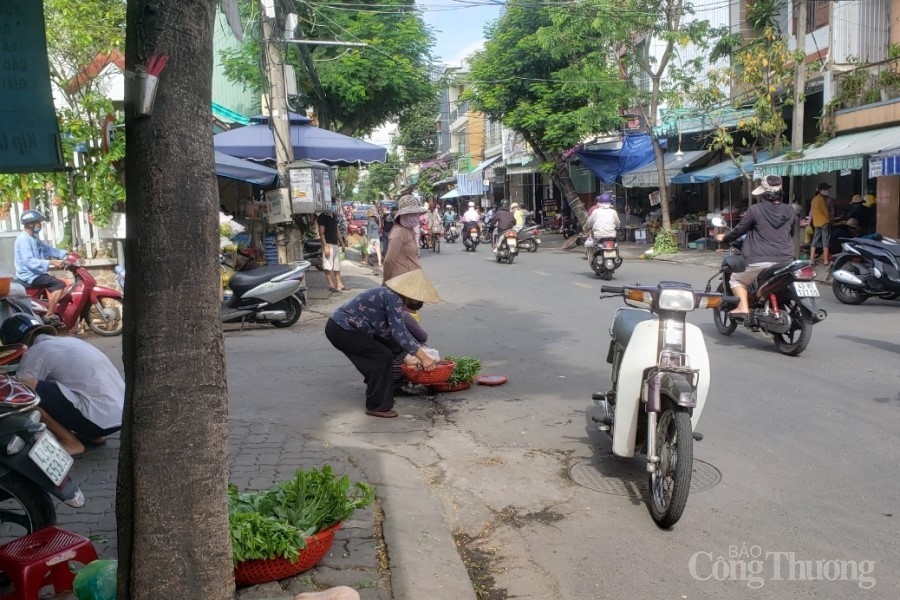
x=415 y=286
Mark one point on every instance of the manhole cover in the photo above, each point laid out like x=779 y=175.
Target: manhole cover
x=628 y=476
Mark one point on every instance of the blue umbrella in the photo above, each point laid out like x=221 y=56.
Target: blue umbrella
x=257 y=141
x=244 y=170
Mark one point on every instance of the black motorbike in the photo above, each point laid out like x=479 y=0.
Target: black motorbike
x=866 y=269
x=782 y=301
x=312 y=251
x=604 y=258
x=471 y=236
x=507 y=247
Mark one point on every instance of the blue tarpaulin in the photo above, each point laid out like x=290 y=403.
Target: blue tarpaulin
x=609 y=165
x=723 y=171
x=244 y=170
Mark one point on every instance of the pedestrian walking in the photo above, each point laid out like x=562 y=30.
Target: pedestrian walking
x=332 y=245
x=373 y=235
x=403 y=248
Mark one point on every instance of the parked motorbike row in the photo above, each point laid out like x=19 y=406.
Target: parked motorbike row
x=866 y=269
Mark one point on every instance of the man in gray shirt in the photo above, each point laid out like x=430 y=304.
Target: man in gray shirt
x=82 y=393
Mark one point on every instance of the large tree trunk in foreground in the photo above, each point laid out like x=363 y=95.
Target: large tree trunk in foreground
x=171 y=492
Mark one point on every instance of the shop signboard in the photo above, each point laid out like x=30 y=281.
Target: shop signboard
x=29 y=134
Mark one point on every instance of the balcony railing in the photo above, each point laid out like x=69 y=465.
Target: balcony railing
x=459 y=110
x=868 y=84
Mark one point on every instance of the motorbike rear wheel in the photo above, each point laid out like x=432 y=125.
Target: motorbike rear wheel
x=292 y=307
x=510 y=257
x=671 y=482
x=108 y=328
x=847 y=295
x=724 y=324
x=485 y=236
x=533 y=247
x=24 y=507
x=797 y=339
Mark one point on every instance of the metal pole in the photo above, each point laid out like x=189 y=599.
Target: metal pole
x=278 y=108
x=799 y=90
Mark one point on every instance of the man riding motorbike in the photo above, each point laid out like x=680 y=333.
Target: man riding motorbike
x=449 y=217
x=471 y=217
x=31 y=259
x=502 y=221
x=604 y=221
x=769 y=226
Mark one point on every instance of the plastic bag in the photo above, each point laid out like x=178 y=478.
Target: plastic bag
x=96 y=581
x=433 y=354
x=588 y=242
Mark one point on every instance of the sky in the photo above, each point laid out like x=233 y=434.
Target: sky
x=458 y=28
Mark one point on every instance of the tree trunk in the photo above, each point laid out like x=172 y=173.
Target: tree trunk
x=663 y=188
x=563 y=180
x=171 y=491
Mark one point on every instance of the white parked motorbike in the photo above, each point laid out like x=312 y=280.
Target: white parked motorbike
x=660 y=379
x=274 y=294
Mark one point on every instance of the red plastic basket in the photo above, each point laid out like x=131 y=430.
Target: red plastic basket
x=446 y=387
x=253 y=572
x=440 y=374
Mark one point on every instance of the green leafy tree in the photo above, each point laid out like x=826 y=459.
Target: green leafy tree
x=380 y=179
x=432 y=171
x=415 y=130
x=761 y=74
x=351 y=90
x=552 y=88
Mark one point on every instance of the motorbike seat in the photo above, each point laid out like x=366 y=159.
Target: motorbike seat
x=891 y=248
x=625 y=322
x=770 y=271
x=242 y=281
x=312 y=245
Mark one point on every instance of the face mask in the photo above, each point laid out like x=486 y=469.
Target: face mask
x=37 y=230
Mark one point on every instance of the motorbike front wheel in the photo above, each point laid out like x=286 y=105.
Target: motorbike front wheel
x=671 y=482
x=486 y=237
x=292 y=308
x=106 y=319
x=795 y=341
x=24 y=507
x=724 y=324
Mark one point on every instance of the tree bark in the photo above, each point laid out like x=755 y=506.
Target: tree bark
x=171 y=491
x=562 y=179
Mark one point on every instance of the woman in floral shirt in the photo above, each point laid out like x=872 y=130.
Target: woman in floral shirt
x=366 y=327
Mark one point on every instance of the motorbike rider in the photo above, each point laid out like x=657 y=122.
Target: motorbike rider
x=502 y=221
x=518 y=215
x=32 y=262
x=81 y=391
x=449 y=217
x=769 y=226
x=603 y=222
x=471 y=217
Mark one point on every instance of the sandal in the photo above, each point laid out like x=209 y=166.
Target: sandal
x=384 y=414
x=333 y=290
x=344 y=289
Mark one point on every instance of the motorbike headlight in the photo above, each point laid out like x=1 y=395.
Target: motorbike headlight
x=15 y=445
x=680 y=300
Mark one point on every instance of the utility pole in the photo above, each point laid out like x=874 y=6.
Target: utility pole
x=797 y=119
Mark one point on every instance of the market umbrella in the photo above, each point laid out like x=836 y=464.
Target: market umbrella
x=257 y=141
x=244 y=170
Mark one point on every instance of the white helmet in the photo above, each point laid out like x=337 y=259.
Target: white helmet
x=471 y=205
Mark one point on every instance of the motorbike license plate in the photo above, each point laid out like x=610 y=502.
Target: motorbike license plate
x=806 y=289
x=511 y=242
x=51 y=458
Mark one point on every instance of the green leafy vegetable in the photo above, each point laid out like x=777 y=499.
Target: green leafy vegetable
x=465 y=371
x=277 y=521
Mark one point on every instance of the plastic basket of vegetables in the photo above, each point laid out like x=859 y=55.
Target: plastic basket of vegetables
x=464 y=372
x=290 y=527
x=441 y=373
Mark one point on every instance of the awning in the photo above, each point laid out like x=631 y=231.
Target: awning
x=244 y=170
x=843 y=152
x=635 y=151
x=454 y=193
x=723 y=171
x=646 y=176
x=486 y=163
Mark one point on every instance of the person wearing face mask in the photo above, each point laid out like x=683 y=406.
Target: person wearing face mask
x=33 y=260
x=367 y=328
x=403 y=247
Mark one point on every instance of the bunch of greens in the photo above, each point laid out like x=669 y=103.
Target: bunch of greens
x=277 y=521
x=665 y=243
x=465 y=371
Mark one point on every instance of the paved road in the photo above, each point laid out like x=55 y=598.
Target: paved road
x=805 y=446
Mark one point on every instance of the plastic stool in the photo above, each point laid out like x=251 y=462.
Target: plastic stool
x=41 y=559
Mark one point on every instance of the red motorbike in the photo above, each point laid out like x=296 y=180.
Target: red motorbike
x=100 y=307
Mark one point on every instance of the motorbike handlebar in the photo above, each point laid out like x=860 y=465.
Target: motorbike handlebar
x=611 y=289
x=731 y=300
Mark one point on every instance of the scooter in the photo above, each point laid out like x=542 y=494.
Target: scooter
x=604 y=258
x=451 y=233
x=273 y=294
x=34 y=466
x=528 y=238
x=472 y=237
x=782 y=300
x=507 y=247
x=100 y=307
x=660 y=380
x=312 y=251
x=866 y=269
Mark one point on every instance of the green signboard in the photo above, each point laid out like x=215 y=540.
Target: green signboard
x=29 y=133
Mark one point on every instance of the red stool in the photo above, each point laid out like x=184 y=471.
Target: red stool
x=41 y=559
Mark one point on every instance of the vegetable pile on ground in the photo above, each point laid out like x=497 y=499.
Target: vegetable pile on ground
x=276 y=522
x=465 y=371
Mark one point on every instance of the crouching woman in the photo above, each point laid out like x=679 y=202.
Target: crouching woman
x=367 y=327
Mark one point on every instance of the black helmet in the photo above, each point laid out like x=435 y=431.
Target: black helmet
x=21 y=328
x=504 y=205
x=32 y=216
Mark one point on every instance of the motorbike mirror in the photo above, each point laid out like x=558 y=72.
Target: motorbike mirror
x=718 y=221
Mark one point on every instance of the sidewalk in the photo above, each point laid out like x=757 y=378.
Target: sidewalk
x=381 y=552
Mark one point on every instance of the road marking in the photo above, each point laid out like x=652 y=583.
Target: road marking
x=540 y=273
x=586 y=286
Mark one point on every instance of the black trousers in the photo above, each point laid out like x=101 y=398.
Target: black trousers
x=372 y=358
